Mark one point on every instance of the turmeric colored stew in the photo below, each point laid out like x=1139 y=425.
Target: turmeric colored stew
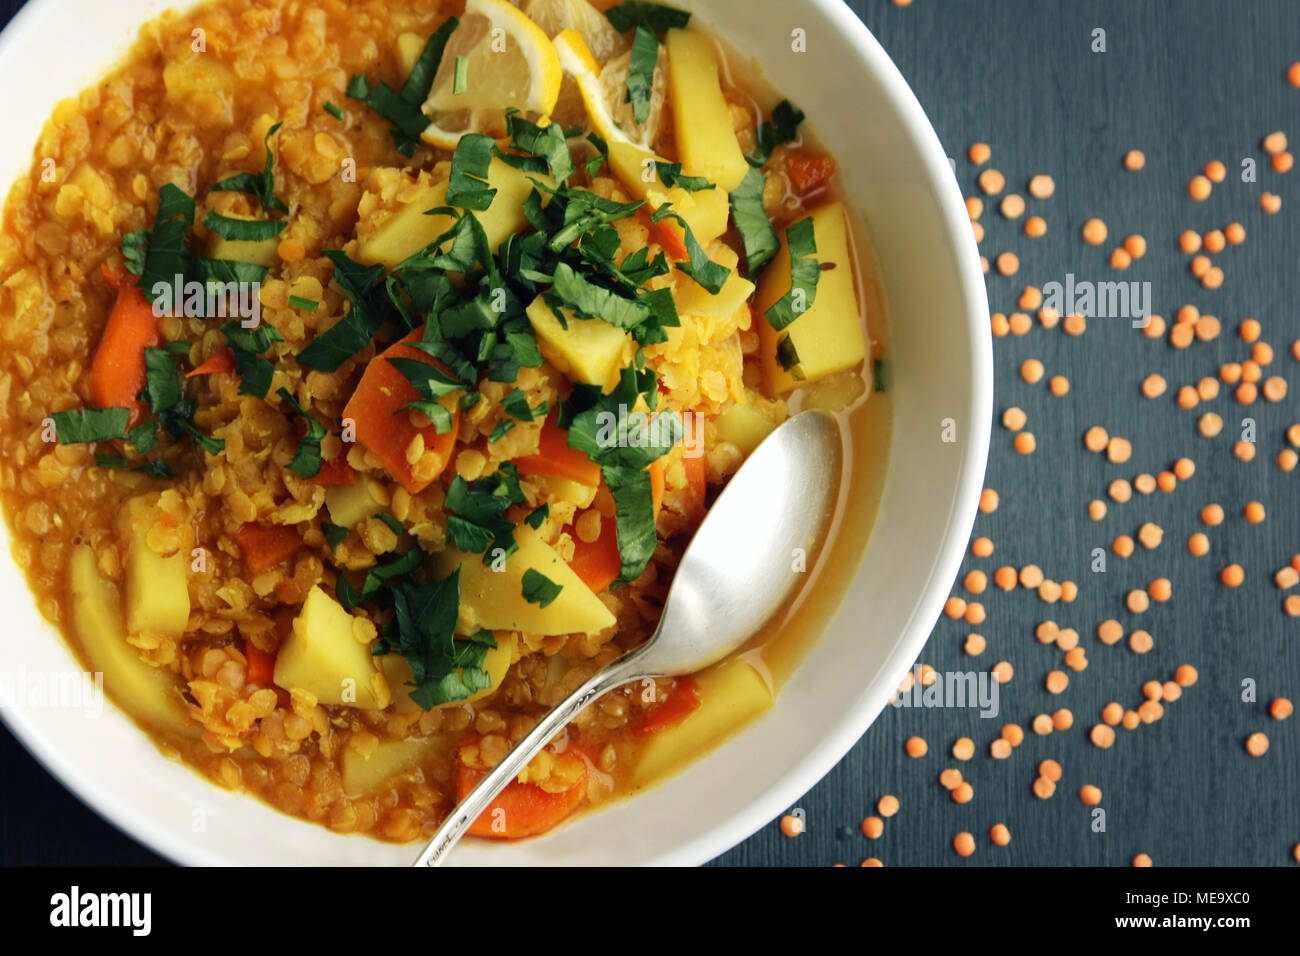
x=430 y=339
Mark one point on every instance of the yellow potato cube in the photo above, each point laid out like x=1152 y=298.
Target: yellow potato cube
x=829 y=336
x=731 y=694
x=590 y=350
x=706 y=140
x=157 y=584
x=409 y=230
x=496 y=599
x=323 y=656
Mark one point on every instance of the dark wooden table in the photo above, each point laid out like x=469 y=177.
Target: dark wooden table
x=1186 y=81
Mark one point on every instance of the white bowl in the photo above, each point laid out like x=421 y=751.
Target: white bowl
x=899 y=180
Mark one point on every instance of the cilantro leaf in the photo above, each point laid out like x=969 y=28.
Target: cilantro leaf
x=162 y=388
x=335 y=534
x=750 y=217
x=634 y=518
x=670 y=174
x=801 y=244
x=546 y=143
x=537 y=516
x=255 y=374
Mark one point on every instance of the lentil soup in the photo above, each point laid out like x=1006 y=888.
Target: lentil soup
x=368 y=366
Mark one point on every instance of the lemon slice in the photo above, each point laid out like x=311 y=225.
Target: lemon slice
x=553 y=16
x=509 y=62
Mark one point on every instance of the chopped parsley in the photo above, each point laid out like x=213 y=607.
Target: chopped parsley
x=81 y=425
x=307 y=459
x=403 y=109
x=333 y=111
x=700 y=267
x=444 y=667
x=750 y=217
x=460 y=82
x=784 y=128
x=805 y=270
x=658 y=17
x=467 y=187
x=335 y=534
x=641 y=73
x=539 y=589
x=364 y=288
x=476 y=523
x=255 y=373
x=307 y=305
x=262 y=186
x=539 y=514
x=244 y=230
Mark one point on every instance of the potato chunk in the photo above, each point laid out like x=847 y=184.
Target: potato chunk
x=362 y=773
x=706 y=140
x=589 y=350
x=323 y=656
x=828 y=337
x=409 y=230
x=495 y=599
x=149 y=694
x=157 y=581
x=731 y=694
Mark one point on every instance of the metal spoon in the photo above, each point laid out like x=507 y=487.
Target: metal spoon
x=736 y=574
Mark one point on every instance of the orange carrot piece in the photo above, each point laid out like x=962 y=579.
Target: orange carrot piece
x=684 y=701
x=265 y=547
x=598 y=562
x=335 y=474
x=809 y=172
x=521 y=809
x=556 y=459
x=111 y=276
x=261 y=665
x=221 y=363
x=381 y=425
x=117 y=372
x=668 y=233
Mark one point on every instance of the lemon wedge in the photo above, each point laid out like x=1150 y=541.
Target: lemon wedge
x=507 y=61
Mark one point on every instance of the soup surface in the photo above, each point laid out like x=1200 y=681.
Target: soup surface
x=367 y=367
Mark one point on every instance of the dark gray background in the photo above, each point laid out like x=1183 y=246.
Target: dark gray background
x=1186 y=81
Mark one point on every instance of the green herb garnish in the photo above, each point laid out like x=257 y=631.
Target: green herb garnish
x=658 y=17
x=244 y=230
x=750 y=217
x=805 y=270
x=82 y=425
x=307 y=459
x=262 y=186
x=539 y=589
x=784 y=128
x=403 y=109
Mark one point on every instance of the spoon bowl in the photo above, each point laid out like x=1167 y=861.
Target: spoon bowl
x=750 y=554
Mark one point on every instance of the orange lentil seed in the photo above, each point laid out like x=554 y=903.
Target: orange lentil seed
x=1232 y=575
x=1280 y=709
x=1199 y=188
x=1094 y=232
x=964 y=844
x=1134 y=159
x=1090 y=795
x=999 y=834
x=1035 y=227
x=1257 y=744
x=1102 y=736
x=1198 y=545
x=916 y=746
x=1140 y=642
x=991 y=181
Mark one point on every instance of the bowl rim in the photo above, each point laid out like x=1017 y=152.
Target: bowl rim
x=857 y=719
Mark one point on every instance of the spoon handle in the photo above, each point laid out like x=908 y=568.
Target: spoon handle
x=620 y=672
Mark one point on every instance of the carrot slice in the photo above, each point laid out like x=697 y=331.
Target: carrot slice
x=261 y=665
x=598 y=562
x=667 y=233
x=335 y=474
x=681 y=703
x=521 y=809
x=117 y=372
x=265 y=547
x=223 y=361
x=111 y=276
x=809 y=172
x=556 y=459
x=381 y=425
